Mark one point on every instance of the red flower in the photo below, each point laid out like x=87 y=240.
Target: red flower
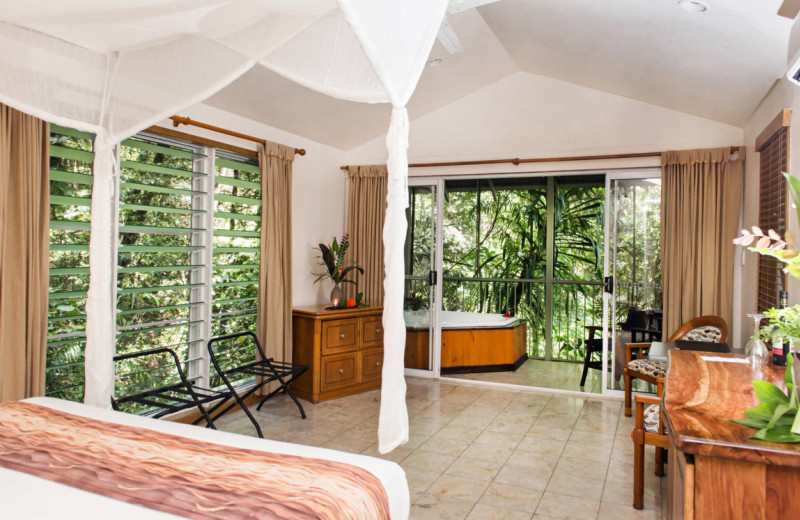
x=351 y=302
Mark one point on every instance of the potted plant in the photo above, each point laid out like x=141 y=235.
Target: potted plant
x=332 y=258
x=777 y=418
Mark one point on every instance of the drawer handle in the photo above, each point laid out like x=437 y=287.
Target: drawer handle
x=341 y=371
x=377 y=363
x=377 y=331
x=341 y=336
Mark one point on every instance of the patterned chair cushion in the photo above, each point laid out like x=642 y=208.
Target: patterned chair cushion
x=647 y=367
x=708 y=334
x=652 y=415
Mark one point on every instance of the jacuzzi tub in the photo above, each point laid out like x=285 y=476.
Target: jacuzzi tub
x=416 y=320
x=471 y=341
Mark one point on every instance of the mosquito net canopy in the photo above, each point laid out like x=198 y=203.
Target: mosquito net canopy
x=115 y=68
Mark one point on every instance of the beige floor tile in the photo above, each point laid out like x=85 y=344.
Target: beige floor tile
x=420 y=480
x=487 y=453
x=534 y=460
x=437 y=507
x=523 y=477
x=443 y=446
x=563 y=484
x=554 y=505
x=396 y=455
x=621 y=492
x=428 y=461
x=349 y=444
x=487 y=512
x=475 y=469
x=458 y=488
x=506 y=440
x=512 y=497
x=587 y=452
x=612 y=511
x=544 y=446
x=581 y=468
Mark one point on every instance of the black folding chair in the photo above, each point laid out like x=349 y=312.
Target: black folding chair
x=154 y=383
x=238 y=358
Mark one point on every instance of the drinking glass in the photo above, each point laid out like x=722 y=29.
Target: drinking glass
x=756 y=350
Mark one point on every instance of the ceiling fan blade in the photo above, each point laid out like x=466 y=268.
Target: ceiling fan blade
x=447 y=36
x=456 y=6
x=789 y=8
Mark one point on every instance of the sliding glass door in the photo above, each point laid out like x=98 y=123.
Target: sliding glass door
x=420 y=309
x=632 y=288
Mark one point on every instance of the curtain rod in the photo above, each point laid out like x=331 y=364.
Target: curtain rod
x=518 y=161
x=178 y=120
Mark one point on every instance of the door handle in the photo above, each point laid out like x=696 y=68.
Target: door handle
x=432 y=277
x=608 y=284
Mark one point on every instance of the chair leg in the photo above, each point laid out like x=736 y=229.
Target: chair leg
x=660 y=461
x=585 y=368
x=627 y=395
x=638 y=475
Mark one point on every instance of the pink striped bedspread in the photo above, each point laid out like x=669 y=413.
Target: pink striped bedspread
x=182 y=476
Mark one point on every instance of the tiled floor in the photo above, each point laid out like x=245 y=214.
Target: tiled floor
x=558 y=375
x=482 y=453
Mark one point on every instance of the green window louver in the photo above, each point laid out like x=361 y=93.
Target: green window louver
x=188 y=251
x=237 y=237
x=71 y=158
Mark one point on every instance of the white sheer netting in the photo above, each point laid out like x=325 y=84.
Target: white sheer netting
x=115 y=68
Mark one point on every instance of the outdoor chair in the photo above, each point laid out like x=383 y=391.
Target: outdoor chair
x=154 y=383
x=648 y=430
x=591 y=345
x=705 y=329
x=244 y=369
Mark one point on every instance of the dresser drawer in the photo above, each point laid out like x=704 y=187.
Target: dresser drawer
x=339 y=371
x=338 y=336
x=372 y=364
x=372 y=331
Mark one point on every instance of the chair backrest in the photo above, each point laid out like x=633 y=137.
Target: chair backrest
x=138 y=373
x=636 y=319
x=711 y=329
x=232 y=352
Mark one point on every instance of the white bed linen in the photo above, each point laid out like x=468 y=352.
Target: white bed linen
x=25 y=496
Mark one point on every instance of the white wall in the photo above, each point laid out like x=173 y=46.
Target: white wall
x=783 y=95
x=525 y=115
x=317 y=191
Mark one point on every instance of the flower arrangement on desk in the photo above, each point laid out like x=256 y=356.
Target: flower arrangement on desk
x=332 y=258
x=777 y=418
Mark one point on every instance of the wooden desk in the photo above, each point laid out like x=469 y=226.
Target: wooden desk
x=715 y=471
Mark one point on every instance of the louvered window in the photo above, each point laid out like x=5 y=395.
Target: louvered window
x=772 y=146
x=71 y=179
x=188 y=251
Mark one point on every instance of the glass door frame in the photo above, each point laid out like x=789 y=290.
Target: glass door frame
x=609 y=302
x=435 y=331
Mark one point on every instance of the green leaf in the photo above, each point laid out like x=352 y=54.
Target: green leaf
x=780 y=411
x=796 y=424
x=760 y=412
x=750 y=423
x=770 y=395
x=776 y=435
x=359 y=296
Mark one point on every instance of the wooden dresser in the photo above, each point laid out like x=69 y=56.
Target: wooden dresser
x=344 y=349
x=715 y=471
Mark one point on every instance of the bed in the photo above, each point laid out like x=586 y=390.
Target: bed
x=26 y=496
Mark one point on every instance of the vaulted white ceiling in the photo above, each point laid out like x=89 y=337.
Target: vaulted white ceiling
x=718 y=64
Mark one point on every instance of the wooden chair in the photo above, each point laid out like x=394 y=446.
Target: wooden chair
x=710 y=329
x=650 y=433
x=591 y=345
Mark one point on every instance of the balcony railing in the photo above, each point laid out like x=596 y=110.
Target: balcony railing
x=575 y=305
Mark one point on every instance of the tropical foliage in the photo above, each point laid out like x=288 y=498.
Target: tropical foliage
x=332 y=258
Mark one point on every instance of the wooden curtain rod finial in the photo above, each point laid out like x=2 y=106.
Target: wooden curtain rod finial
x=178 y=120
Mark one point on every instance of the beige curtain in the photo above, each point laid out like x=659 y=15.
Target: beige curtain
x=24 y=253
x=274 y=325
x=701 y=193
x=366 y=212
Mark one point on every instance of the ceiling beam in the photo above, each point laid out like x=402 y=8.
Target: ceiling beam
x=789 y=9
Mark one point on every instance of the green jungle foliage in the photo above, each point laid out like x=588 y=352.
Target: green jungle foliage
x=495 y=254
x=161 y=241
